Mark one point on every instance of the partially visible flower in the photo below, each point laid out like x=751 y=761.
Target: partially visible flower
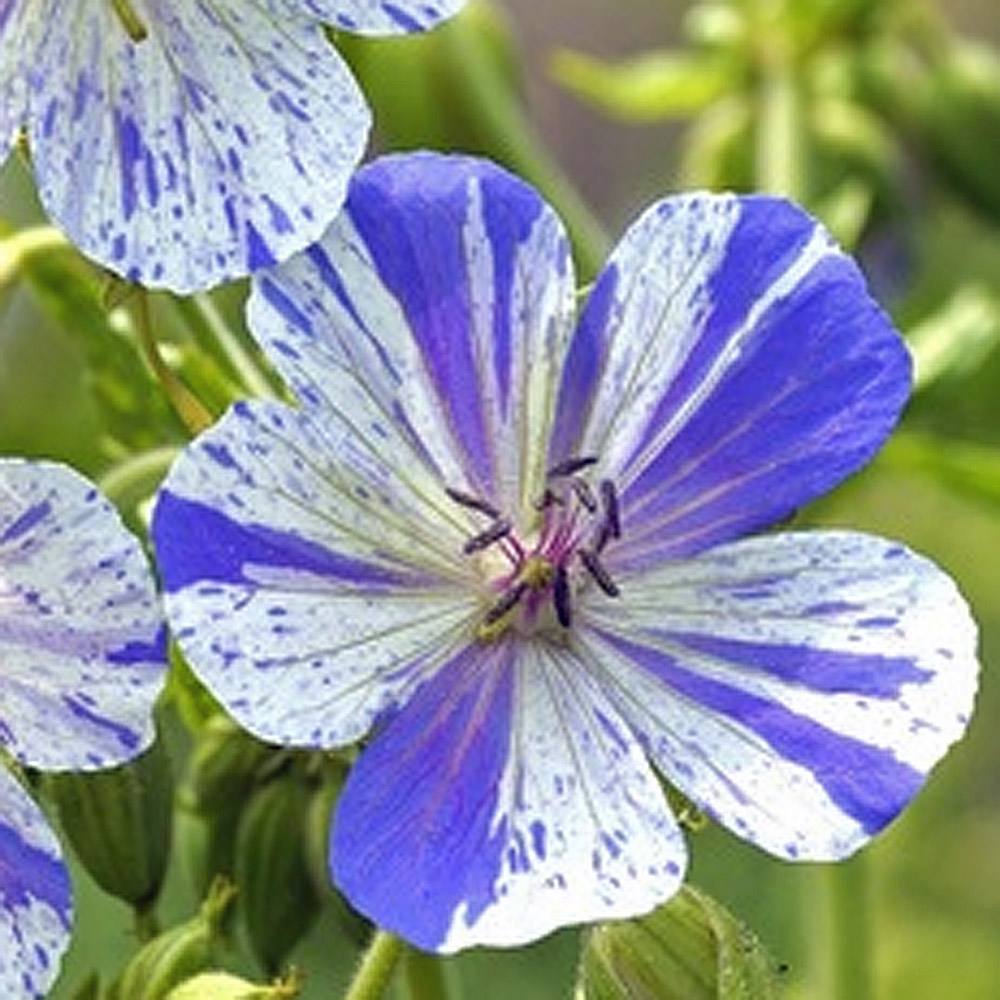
x=182 y=143
x=508 y=551
x=83 y=652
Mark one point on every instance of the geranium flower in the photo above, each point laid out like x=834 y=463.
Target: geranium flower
x=83 y=648
x=182 y=143
x=508 y=552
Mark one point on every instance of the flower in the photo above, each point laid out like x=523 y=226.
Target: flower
x=83 y=647
x=508 y=551
x=181 y=144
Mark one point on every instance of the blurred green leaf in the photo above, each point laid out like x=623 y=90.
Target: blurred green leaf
x=967 y=468
x=649 y=87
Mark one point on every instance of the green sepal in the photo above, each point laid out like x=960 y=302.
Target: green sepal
x=277 y=897
x=119 y=823
x=178 y=953
x=691 y=948
x=225 y=986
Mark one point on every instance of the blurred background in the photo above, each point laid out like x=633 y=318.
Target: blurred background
x=883 y=117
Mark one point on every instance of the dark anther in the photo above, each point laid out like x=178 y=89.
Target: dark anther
x=497 y=530
x=585 y=494
x=571 y=466
x=472 y=502
x=609 y=498
x=596 y=569
x=561 y=598
x=506 y=603
x=548 y=499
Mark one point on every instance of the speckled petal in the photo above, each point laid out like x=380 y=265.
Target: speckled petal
x=729 y=367
x=310 y=580
x=36 y=906
x=374 y=17
x=15 y=24
x=799 y=686
x=82 y=642
x=221 y=143
x=439 y=301
x=508 y=798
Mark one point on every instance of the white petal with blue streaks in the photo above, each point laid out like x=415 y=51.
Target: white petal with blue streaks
x=729 y=367
x=798 y=686
x=36 y=906
x=375 y=17
x=15 y=42
x=511 y=798
x=311 y=583
x=588 y=834
x=192 y=156
x=441 y=299
x=81 y=637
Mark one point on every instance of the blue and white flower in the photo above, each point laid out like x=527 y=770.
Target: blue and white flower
x=182 y=143
x=509 y=551
x=83 y=648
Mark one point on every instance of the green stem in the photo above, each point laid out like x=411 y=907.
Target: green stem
x=377 y=967
x=189 y=408
x=18 y=247
x=425 y=976
x=522 y=149
x=780 y=169
x=137 y=475
x=244 y=366
x=842 y=932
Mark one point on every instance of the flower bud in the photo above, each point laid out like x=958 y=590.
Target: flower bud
x=225 y=986
x=118 y=822
x=178 y=953
x=277 y=896
x=691 y=948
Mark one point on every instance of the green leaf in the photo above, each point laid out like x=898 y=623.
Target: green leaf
x=650 y=87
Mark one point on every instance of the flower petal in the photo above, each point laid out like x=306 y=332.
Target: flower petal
x=192 y=156
x=15 y=22
x=375 y=17
x=441 y=300
x=36 y=905
x=799 y=686
x=81 y=638
x=506 y=799
x=307 y=578
x=729 y=367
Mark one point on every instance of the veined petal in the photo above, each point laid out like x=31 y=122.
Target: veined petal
x=82 y=642
x=15 y=23
x=729 y=367
x=440 y=300
x=308 y=579
x=508 y=798
x=375 y=17
x=192 y=156
x=36 y=905
x=800 y=686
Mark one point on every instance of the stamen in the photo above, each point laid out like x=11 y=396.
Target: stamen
x=596 y=569
x=561 y=596
x=497 y=530
x=571 y=466
x=585 y=494
x=506 y=604
x=130 y=20
x=548 y=499
x=472 y=502
x=612 y=517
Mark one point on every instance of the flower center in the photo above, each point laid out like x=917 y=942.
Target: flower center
x=534 y=579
